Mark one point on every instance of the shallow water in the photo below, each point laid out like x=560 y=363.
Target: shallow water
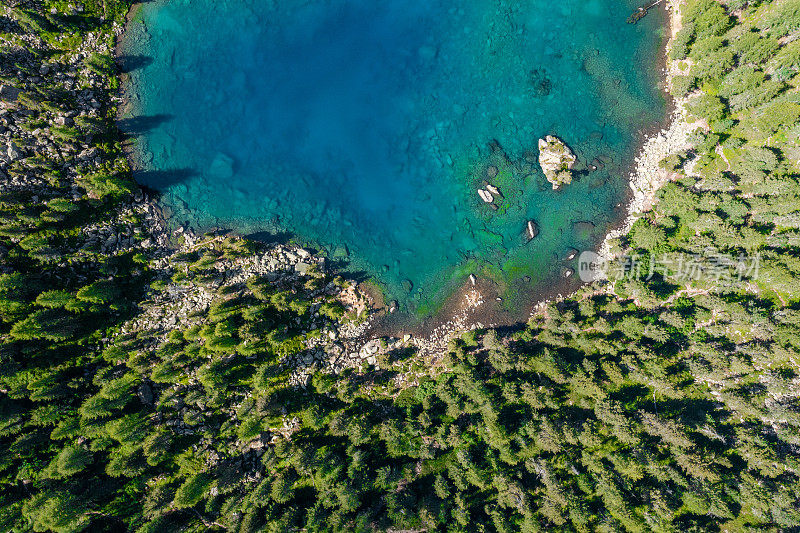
x=364 y=128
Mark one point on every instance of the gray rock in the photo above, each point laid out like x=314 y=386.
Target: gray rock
x=89 y=153
x=372 y=347
x=146 y=394
x=12 y=152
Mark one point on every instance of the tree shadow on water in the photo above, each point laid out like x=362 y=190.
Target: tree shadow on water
x=341 y=267
x=160 y=179
x=130 y=63
x=272 y=237
x=138 y=125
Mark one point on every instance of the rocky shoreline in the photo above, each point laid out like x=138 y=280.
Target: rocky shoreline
x=648 y=176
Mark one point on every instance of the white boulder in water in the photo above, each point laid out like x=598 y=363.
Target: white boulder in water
x=531 y=231
x=486 y=196
x=494 y=190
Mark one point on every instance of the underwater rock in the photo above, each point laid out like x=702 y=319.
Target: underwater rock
x=540 y=82
x=583 y=230
x=221 y=167
x=491 y=172
x=642 y=11
x=556 y=160
x=583 y=226
x=485 y=195
x=341 y=252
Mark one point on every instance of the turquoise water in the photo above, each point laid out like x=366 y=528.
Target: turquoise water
x=364 y=129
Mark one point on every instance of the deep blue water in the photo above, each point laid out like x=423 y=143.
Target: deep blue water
x=364 y=128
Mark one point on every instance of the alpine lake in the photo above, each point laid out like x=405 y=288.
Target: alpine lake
x=363 y=130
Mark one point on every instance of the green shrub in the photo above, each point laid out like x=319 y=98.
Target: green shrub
x=679 y=47
x=753 y=48
x=100 y=292
x=706 y=106
x=740 y=80
x=787 y=58
x=54 y=299
x=192 y=491
x=682 y=85
x=708 y=16
x=101 y=64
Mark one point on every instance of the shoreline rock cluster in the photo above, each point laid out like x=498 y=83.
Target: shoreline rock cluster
x=648 y=176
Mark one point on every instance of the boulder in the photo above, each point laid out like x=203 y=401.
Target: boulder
x=9 y=93
x=571 y=254
x=531 y=230
x=494 y=190
x=556 y=160
x=486 y=196
x=10 y=152
x=302 y=268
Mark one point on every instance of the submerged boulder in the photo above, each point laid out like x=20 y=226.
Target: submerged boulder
x=221 y=167
x=556 y=160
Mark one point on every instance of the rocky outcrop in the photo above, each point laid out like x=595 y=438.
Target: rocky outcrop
x=556 y=160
